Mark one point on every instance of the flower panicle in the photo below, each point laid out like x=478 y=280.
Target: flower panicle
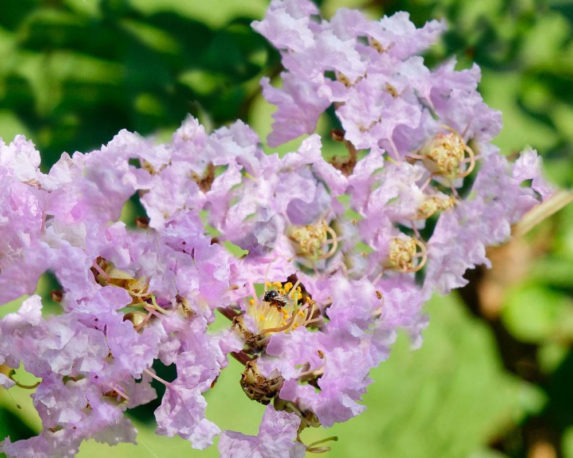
x=314 y=263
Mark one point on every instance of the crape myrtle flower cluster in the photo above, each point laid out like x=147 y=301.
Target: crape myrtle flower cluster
x=335 y=257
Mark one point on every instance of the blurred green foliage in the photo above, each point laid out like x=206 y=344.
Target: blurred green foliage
x=74 y=72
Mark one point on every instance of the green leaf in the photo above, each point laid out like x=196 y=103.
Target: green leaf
x=445 y=399
x=534 y=313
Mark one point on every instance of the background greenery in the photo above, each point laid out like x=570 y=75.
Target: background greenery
x=495 y=374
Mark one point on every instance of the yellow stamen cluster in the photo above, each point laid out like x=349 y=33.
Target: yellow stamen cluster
x=310 y=240
x=434 y=204
x=406 y=254
x=288 y=311
x=445 y=155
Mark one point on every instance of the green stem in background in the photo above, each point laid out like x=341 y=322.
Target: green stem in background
x=541 y=212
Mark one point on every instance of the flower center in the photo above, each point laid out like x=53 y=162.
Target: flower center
x=283 y=308
x=445 y=155
x=406 y=254
x=434 y=204
x=106 y=274
x=257 y=387
x=310 y=240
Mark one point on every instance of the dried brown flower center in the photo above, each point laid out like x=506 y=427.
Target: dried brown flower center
x=257 y=387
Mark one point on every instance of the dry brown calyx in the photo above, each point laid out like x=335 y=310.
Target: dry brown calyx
x=258 y=387
x=373 y=42
x=206 y=180
x=345 y=165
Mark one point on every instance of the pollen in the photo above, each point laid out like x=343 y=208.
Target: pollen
x=406 y=254
x=284 y=311
x=312 y=242
x=433 y=205
x=447 y=155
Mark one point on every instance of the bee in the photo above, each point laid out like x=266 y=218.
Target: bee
x=273 y=297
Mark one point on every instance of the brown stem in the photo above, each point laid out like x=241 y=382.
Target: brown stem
x=228 y=312
x=345 y=166
x=242 y=357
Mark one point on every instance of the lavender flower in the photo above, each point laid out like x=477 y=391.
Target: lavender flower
x=331 y=249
